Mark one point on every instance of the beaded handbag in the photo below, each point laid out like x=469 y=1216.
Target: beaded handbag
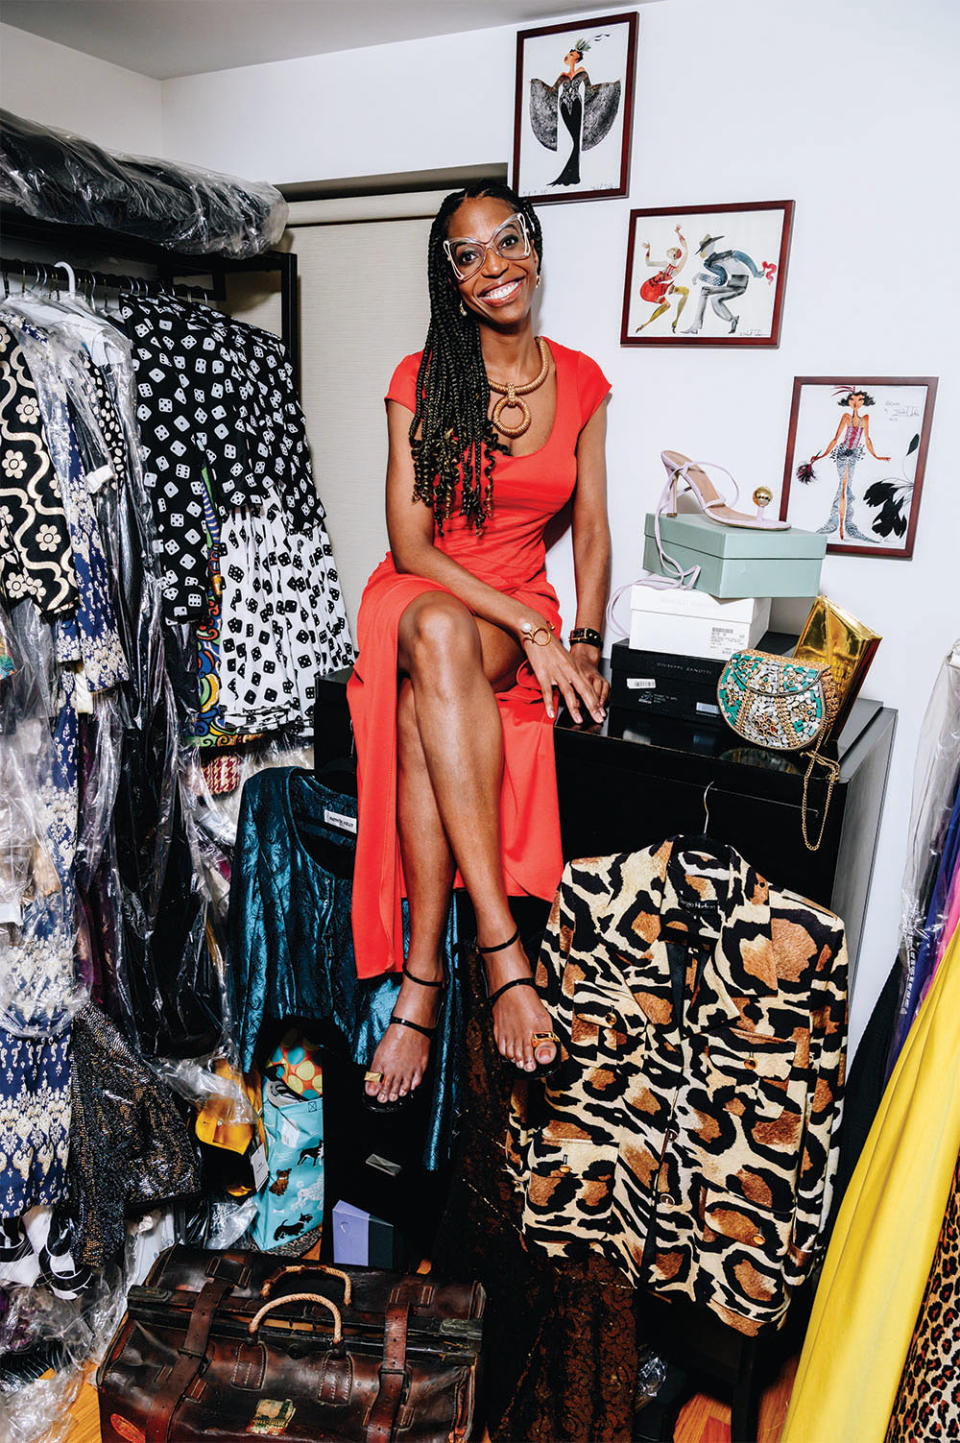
x=776 y=702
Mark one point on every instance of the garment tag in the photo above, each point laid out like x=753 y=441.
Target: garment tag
x=340 y=820
x=258 y=1162
x=641 y=683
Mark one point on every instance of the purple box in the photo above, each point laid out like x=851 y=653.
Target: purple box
x=363 y=1240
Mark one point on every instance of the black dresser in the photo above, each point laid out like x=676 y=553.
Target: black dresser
x=637 y=779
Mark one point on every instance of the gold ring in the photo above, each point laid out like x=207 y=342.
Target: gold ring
x=373 y=1077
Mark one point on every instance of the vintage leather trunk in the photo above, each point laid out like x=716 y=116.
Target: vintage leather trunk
x=226 y=1347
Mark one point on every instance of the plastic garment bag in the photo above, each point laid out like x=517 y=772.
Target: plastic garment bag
x=934 y=842
x=55 y=176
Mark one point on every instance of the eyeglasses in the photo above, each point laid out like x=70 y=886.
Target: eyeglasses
x=510 y=240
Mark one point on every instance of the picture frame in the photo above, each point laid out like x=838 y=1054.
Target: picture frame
x=573 y=118
x=856 y=474
x=726 y=290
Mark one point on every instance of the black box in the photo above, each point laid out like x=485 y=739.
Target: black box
x=669 y=685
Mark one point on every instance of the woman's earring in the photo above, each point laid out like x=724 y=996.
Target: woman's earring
x=463 y=309
x=539 y=279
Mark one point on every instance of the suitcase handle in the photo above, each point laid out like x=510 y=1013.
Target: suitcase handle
x=299 y=1298
x=275 y=1278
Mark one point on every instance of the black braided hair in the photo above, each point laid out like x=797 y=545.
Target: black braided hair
x=452 y=388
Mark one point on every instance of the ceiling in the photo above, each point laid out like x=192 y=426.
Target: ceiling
x=164 y=38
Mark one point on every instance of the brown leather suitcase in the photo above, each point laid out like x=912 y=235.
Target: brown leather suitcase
x=226 y=1347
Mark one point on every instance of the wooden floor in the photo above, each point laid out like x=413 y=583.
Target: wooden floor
x=703 y=1420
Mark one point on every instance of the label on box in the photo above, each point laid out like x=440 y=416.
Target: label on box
x=725 y=640
x=707 y=708
x=258 y=1162
x=641 y=683
x=340 y=820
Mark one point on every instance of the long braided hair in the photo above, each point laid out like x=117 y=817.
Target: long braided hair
x=457 y=438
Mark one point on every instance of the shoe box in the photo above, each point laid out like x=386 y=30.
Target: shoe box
x=673 y=685
x=693 y=623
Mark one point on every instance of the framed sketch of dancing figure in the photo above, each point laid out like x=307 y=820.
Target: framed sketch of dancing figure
x=706 y=275
x=856 y=455
x=574 y=109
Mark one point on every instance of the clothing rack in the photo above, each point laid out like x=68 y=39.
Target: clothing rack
x=88 y=282
x=98 y=241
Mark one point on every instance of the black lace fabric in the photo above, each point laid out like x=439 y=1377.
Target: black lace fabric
x=129 y=1148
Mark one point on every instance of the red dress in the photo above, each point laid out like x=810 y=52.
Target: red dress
x=509 y=555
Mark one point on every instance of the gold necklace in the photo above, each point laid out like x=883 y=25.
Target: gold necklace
x=512 y=395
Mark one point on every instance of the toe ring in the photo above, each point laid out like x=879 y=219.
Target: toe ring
x=373 y=1077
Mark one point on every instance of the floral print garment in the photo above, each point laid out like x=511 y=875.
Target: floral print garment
x=36 y=978
x=90 y=636
x=36 y=558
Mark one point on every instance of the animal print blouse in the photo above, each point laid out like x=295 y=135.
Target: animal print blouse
x=687 y=1134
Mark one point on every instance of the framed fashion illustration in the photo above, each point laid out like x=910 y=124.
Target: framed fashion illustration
x=856 y=454
x=574 y=109
x=706 y=275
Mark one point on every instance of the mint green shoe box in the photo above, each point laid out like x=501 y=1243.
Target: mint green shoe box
x=735 y=562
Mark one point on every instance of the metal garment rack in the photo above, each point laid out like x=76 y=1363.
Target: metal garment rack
x=113 y=246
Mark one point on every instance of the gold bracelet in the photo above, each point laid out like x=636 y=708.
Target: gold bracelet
x=533 y=633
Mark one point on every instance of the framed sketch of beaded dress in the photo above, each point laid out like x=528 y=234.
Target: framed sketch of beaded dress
x=856 y=455
x=574 y=109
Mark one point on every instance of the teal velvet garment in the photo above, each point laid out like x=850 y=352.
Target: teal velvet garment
x=291 y=943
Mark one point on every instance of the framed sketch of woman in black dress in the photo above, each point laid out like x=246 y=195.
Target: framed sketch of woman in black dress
x=574 y=107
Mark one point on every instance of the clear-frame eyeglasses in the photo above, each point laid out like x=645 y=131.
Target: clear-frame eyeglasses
x=510 y=240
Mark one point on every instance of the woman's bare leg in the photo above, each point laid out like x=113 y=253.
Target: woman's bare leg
x=428 y=869
x=454 y=662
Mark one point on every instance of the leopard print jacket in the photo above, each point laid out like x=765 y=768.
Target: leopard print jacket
x=687 y=1133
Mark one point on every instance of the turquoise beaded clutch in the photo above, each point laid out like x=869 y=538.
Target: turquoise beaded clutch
x=776 y=702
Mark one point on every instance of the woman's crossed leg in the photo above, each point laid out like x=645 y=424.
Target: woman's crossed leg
x=450 y=742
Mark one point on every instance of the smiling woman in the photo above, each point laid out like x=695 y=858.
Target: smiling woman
x=453 y=695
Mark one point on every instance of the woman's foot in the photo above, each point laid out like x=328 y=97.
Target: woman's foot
x=404 y=1052
x=519 y=1014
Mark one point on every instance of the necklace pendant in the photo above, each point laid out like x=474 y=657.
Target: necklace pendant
x=522 y=425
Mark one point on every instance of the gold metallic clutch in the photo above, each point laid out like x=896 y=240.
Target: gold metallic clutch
x=832 y=637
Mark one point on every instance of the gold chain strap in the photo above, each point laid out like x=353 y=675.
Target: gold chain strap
x=833 y=770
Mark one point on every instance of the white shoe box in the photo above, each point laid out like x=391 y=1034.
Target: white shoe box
x=693 y=623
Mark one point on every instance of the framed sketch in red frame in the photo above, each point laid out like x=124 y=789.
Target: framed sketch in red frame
x=856 y=456
x=706 y=275
x=573 y=113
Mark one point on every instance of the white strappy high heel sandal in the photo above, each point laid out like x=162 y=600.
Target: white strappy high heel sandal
x=682 y=471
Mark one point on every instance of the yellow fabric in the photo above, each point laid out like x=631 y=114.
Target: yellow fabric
x=880 y=1254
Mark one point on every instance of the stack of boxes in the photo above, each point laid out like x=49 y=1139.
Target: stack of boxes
x=680 y=639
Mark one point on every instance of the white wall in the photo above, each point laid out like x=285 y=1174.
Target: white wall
x=848 y=108
x=55 y=85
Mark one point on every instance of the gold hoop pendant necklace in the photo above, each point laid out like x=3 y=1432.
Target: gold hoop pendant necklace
x=512 y=396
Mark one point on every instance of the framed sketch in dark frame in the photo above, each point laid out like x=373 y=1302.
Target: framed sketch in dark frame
x=856 y=456
x=573 y=112
x=706 y=275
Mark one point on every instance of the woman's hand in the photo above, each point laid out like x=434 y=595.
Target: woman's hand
x=553 y=666
x=586 y=659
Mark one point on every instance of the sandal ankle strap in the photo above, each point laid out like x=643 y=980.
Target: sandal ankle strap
x=500 y=946
x=422 y=981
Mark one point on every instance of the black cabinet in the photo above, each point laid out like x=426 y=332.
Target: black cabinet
x=637 y=779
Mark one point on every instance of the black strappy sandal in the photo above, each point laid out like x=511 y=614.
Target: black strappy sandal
x=372 y=1103
x=537 y=1039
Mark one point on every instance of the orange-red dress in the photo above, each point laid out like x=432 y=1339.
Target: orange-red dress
x=510 y=555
